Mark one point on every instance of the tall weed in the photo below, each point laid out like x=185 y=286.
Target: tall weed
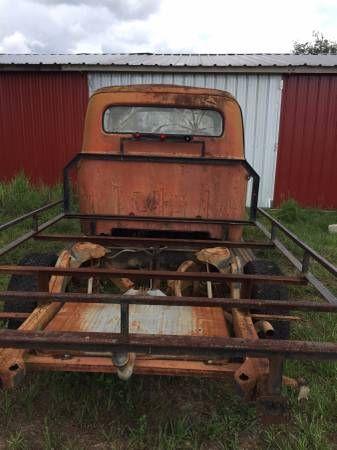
x=20 y=195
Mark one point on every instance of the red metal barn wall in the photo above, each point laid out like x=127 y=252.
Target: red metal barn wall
x=41 y=122
x=307 y=153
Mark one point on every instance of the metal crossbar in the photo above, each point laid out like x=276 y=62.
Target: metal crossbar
x=74 y=297
x=211 y=347
x=304 y=265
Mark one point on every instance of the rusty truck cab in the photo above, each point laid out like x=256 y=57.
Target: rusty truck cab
x=156 y=133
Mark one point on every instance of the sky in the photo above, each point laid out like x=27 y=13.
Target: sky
x=162 y=26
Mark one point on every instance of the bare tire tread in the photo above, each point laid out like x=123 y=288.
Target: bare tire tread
x=26 y=283
x=263 y=291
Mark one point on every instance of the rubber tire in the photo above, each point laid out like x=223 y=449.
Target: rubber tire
x=263 y=291
x=26 y=283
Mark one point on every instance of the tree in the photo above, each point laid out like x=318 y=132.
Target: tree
x=318 y=46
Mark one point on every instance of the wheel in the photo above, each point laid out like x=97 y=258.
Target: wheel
x=26 y=283
x=263 y=291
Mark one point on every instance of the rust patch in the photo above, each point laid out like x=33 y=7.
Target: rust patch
x=217 y=256
x=178 y=287
x=151 y=202
x=143 y=366
x=135 y=325
x=147 y=319
x=12 y=367
x=84 y=251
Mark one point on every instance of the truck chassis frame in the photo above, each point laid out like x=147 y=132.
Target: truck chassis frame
x=168 y=348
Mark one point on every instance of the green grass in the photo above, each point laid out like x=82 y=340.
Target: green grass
x=18 y=197
x=94 y=411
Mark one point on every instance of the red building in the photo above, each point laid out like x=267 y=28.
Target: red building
x=289 y=107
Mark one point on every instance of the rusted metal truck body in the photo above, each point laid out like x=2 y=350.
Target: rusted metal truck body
x=160 y=281
x=130 y=121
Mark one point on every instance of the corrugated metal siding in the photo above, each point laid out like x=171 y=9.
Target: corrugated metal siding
x=258 y=95
x=41 y=126
x=307 y=156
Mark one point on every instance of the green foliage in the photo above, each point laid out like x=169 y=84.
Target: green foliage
x=16 y=441
x=19 y=196
x=290 y=212
x=320 y=45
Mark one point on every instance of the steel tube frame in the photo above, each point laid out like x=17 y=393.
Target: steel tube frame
x=87 y=272
x=308 y=250
x=32 y=214
x=229 y=303
x=162 y=159
x=94 y=217
x=153 y=242
x=212 y=347
x=25 y=237
x=171 y=345
x=303 y=266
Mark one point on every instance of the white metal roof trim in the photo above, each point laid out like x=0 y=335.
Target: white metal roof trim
x=174 y=60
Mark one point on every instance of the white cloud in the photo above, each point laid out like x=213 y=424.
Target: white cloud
x=14 y=43
x=215 y=26
x=124 y=9
x=240 y=26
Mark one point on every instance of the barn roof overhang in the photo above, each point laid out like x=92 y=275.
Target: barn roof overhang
x=150 y=62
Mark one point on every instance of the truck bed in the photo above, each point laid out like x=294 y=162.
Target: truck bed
x=144 y=319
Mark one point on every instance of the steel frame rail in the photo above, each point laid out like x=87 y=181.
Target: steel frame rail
x=168 y=160
x=309 y=253
x=46 y=297
x=30 y=234
x=218 y=347
x=87 y=272
x=140 y=242
x=34 y=214
x=203 y=347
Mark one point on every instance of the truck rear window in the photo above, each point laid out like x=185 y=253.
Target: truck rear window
x=166 y=120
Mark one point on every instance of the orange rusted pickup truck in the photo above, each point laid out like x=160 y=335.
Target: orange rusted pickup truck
x=161 y=280
x=164 y=122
